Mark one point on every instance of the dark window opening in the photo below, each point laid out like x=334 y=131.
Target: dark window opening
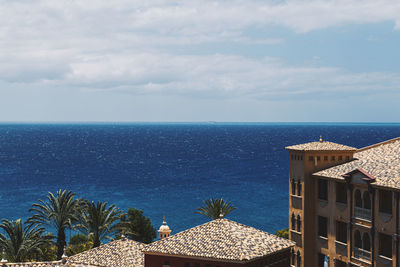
x=341 y=232
x=293 y=258
x=293 y=187
x=293 y=222
x=333 y=158
x=357 y=239
x=298 y=223
x=323 y=226
x=323 y=189
x=340 y=158
x=366 y=200
x=318 y=158
x=385 y=201
x=208 y=265
x=385 y=245
x=292 y=157
x=310 y=158
x=321 y=260
x=299 y=188
x=341 y=193
x=298 y=259
x=166 y=263
x=358 y=200
x=325 y=158
x=197 y=264
x=347 y=158
x=366 y=242
x=187 y=264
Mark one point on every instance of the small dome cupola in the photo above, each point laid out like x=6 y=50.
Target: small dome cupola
x=164 y=230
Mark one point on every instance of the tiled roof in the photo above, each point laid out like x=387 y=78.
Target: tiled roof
x=324 y=145
x=123 y=252
x=220 y=239
x=381 y=161
x=34 y=264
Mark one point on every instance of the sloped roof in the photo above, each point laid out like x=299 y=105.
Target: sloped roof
x=123 y=252
x=220 y=239
x=381 y=161
x=34 y=264
x=324 y=145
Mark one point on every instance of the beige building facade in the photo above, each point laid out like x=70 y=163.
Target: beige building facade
x=344 y=204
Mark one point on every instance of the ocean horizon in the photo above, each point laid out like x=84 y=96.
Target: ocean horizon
x=165 y=169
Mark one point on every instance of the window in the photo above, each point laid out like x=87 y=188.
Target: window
x=322 y=259
x=323 y=226
x=341 y=232
x=298 y=258
x=298 y=223
x=325 y=158
x=293 y=222
x=318 y=158
x=293 y=187
x=385 y=201
x=166 y=263
x=347 y=158
x=292 y=157
x=341 y=193
x=208 y=265
x=310 y=158
x=293 y=258
x=340 y=158
x=366 y=242
x=197 y=264
x=299 y=188
x=357 y=198
x=323 y=189
x=357 y=239
x=385 y=245
x=187 y=264
x=366 y=200
x=333 y=158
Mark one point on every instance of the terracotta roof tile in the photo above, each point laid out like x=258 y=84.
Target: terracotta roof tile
x=381 y=161
x=324 y=145
x=220 y=239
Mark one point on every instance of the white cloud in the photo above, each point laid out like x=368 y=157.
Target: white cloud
x=133 y=46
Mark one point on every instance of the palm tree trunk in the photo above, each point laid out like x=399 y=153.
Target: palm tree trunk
x=96 y=242
x=60 y=243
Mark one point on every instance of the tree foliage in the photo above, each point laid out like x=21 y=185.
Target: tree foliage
x=60 y=211
x=214 y=207
x=78 y=243
x=99 y=221
x=22 y=243
x=136 y=226
x=283 y=233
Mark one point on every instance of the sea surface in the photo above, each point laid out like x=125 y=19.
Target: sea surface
x=165 y=169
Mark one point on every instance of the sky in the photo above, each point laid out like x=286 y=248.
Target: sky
x=200 y=60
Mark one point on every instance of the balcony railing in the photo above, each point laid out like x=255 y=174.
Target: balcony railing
x=362 y=213
x=362 y=254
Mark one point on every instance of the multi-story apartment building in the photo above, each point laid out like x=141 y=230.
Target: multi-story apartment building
x=344 y=204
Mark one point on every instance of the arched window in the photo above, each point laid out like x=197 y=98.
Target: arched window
x=357 y=198
x=299 y=188
x=293 y=258
x=298 y=223
x=366 y=242
x=298 y=258
x=293 y=222
x=357 y=239
x=293 y=187
x=366 y=200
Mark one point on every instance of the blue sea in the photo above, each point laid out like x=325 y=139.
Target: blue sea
x=165 y=169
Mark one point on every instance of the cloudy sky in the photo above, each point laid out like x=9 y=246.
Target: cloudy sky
x=200 y=60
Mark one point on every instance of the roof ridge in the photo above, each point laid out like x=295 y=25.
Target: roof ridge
x=378 y=144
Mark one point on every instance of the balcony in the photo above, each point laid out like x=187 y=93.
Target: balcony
x=296 y=237
x=341 y=248
x=361 y=213
x=362 y=254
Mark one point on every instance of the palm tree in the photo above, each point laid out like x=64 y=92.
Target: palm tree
x=22 y=243
x=98 y=221
x=215 y=208
x=60 y=211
